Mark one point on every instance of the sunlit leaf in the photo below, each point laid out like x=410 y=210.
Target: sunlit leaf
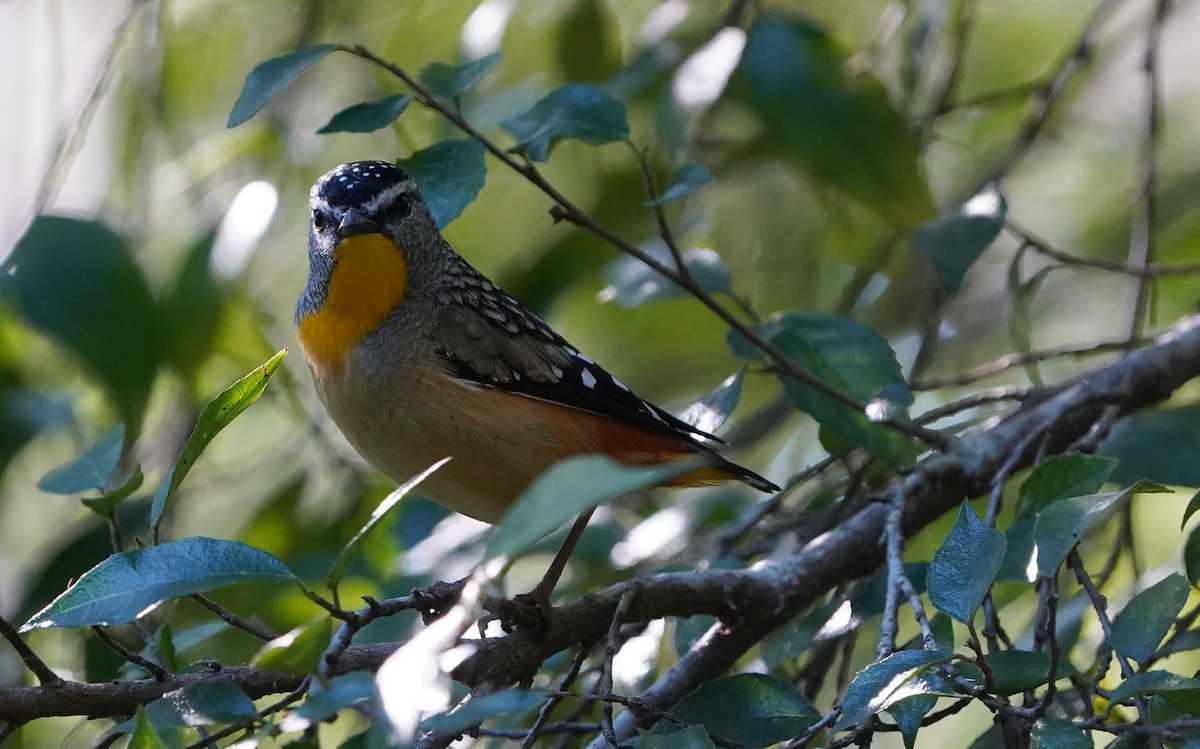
x=450 y=174
x=711 y=411
x=268 y=78
x=582 y=111
x=1061 y=525
x=367 y=116
x=217 y=415
x=686 y=180
x=77 y=282
x=1146 y=619
x=297 y=652
x=144 y=736
x=567 y=489
x=874 y=686
x=833 y=117
x=954 y=241
x=846 y=355
x=126 y=585
x=452 y=81
x=1055 y=733
x=91 y=469
x=204 y=703
x=965 y=565
x=1069 y=475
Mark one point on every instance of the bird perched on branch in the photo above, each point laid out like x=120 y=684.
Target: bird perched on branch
x=417 y=356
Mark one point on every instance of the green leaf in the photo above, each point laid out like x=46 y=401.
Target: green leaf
x=875 y=686
x=91 y=470
x=1068 y=475
x=144 y=736
x=908 y=714
x=691 y=737
x=753 y=710
x=450 y=174
x=268 y=78
x=1159 y=445
x=77 y=282
x=126 y=585
x=1015 y=671
x=632 y=283
x=367 y=116
x=205 y=703
x=1021 y=294
x=192 y=305
x=297 y=652
x=1061 y=525
x=851 y=357
x=834 y=117
x=334 y=577
x=480 y=709
x=711 y=411
x=1192 y=506
x=217 y=415
x=1055 y=733
x=1147 y=618
x=1178 y=689
x=965 y=565
x=1018 y=553
x=1191 y=557
x=107 y=502
x=686 y=180
x=567 y=489
x=452 y=81
x=954 y=241
x=582 y=111
x=325 y=701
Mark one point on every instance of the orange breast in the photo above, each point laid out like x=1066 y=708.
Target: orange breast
x=369 y=279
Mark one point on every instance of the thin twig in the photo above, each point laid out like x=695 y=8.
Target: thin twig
x=606 y=672
x=540 y=724
x=1047 y=248
x=154 y=669
x=1021 y=359
x=45 y=675
x=231 y=618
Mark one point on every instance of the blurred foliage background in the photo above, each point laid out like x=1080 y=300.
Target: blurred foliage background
x=117 y=111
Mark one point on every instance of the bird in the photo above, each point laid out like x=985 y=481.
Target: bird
x=417 y=356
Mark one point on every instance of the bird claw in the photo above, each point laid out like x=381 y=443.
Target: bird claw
x=435 y=599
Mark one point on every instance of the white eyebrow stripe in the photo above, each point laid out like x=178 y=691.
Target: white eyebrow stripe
x=387 y=196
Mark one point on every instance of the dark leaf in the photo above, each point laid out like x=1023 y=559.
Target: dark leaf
x=480 y=709
x=965 y=565
x=1192 y=506
x=1055 y=733
x=582 y=111
x=846 y=355
x=1061 y=525
x=1015 y=671
x=1146 y=619
x=1191 y=557
x=452 y=81
x=368 y=116
x=205 y=703
x=1018 y=554
x=753 y=710
x=268 y=78
x=324 y=701
x=834 y=117
x=1180 y=690
x=908 y=714
x=77 y=282
x=1158 y=445
x=126 y=585
x=692 y=737
x=191 y=308
x=686 y=180
x=450 y=174
x=144 y=736
x=954 y=241
x=877 y=686
x=1069 y=475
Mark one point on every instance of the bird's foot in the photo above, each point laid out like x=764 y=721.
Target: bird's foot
x=435 y=599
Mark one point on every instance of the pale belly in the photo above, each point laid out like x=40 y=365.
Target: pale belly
x=497 y=442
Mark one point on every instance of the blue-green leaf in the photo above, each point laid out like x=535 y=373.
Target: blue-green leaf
x=846 y=355
x=1158 y=445
x=965 y=565
x=954 y=241
x=1179 y=689
x=1146 y=619
x=582 y=111
x=1061 y=525
x=1015 y=671
x=77 y=282
x=450 y=174
x=90 y=470
x=909 y=713
x=297 y=652
x=1056 y=733
x=834 y=117
x=324 y=701
x=567 y=489
x=205 y=703
x=711 y=411
x=875 y=686
x=367 y=116
x=480 y=709
x=753 y=710
x=633 y=283
x=1068 y=475
x=1018 y=554
x=686 y=180
x=144 y=736
x=691 y=737
x=452 y=81
x=217 y=415
x=268 y=78
x=126 y=585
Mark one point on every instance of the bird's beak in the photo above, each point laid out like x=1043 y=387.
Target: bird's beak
x=354 y=223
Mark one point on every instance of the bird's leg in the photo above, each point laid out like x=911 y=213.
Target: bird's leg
x=540 y=595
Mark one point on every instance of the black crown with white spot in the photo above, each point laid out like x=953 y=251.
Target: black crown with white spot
x=355 y=183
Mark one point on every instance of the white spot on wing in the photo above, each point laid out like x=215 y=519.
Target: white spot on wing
x=620 y=384
x=589 y=379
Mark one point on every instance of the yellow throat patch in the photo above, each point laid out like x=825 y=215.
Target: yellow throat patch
x=369 y=278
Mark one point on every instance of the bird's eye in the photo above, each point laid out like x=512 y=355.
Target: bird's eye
x=401 y=206
x=320 y=221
